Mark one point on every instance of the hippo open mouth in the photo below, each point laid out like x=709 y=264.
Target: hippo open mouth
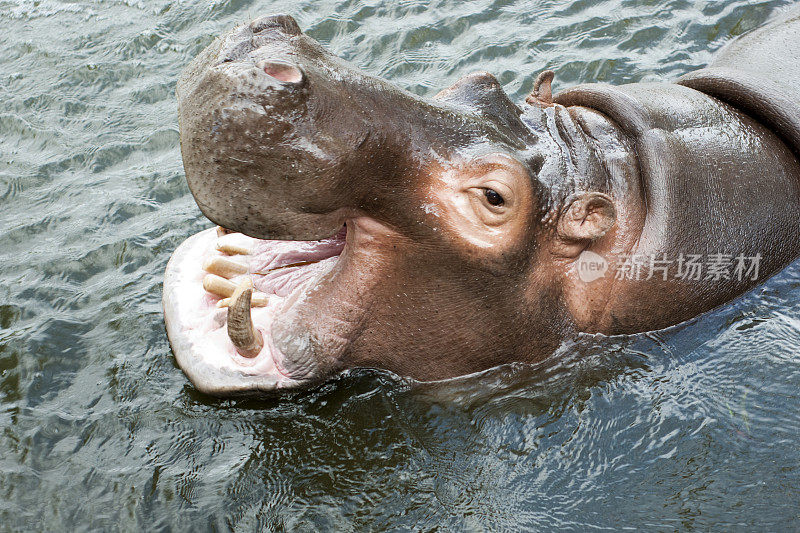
x=222 y=293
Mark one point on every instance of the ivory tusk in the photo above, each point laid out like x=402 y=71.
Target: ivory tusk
x=235 y=244
x=224 y=267
x=218 y=285
x=225 y=288
x=244 y=336
x=232 y=249
x=259 y=299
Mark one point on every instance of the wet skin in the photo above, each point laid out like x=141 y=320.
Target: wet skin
x=465 y=216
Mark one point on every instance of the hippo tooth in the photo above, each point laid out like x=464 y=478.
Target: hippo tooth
x=224 y=267
x=259 y=299
x=235 y=244
x=232 y=249
x=218 y=285
x=244 y=336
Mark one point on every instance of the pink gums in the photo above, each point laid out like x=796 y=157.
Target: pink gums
x=198 y=329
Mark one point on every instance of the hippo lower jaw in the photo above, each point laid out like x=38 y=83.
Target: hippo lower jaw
x=204 y=280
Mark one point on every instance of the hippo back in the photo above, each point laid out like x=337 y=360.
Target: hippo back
x=759 y=73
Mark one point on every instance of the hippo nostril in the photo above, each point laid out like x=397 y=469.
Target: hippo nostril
x=284 y=22
x=283 y=72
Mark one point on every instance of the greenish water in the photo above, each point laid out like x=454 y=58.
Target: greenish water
x=697 y=427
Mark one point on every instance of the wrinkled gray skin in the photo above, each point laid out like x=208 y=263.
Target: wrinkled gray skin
x=282 y=140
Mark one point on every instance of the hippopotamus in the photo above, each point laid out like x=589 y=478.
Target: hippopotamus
x=360 y=225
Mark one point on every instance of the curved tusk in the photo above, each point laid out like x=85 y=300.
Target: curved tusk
x=244 y=336
x=221 y=266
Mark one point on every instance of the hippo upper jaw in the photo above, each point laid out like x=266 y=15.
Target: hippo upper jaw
x=268 y=113
x=256 y=113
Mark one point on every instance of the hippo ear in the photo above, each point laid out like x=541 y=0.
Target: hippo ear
x=587 y=217
x=542 y=95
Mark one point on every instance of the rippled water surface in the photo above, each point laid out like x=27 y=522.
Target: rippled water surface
x=695 y=427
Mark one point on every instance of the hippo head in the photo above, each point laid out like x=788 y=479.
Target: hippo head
x=427 y=237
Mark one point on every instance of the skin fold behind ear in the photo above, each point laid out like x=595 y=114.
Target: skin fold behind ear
x=588 y=217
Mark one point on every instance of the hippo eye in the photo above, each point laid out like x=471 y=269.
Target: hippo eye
x=493 y=197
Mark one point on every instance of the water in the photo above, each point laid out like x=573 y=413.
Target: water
x=692 y=428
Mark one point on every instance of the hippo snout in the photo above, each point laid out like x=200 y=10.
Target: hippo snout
x=285 y=23
x=271 y=30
